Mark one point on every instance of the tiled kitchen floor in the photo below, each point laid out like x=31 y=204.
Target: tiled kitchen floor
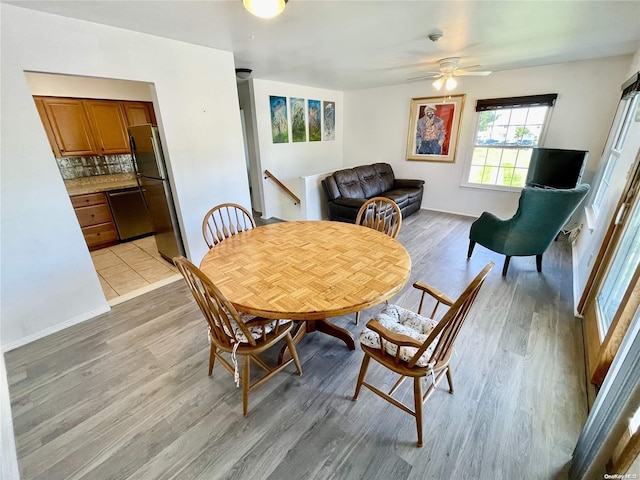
x=132 y=268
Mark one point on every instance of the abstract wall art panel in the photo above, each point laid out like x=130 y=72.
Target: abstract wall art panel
x=298 y=127
x=329 y=113
x=315 y=131
x=279 y=120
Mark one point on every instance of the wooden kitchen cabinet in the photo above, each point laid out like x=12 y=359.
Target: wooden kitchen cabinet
x=69 y=124
x=94 y=216
x=138 y=113
x=108 y=125
x=47 y=126
x=84 y=127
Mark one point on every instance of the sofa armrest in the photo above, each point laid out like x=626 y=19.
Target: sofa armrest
x=330 y=187
x=406 y=183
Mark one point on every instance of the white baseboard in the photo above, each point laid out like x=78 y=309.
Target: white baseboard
x=450 y=212
x=56 y=328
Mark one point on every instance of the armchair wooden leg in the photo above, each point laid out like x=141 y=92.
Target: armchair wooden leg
x=505 y=267
x=293 y=352
x=417 y=394
x=363 y=372
x=539 y=263
x=450 y=380
x=357 y=317
x=471 y=245
x=245 y=384
x=212 y=358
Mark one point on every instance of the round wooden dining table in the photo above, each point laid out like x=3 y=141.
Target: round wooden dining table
x=308 y=270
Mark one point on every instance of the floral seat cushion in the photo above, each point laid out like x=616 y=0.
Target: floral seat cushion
x=405 y=322
x=256 y=331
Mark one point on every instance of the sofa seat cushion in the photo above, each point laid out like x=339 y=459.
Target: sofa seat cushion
x=410 y=193
x=401 y=197
x=405 y=322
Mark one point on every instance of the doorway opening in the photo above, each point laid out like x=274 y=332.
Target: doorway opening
x=86 y=121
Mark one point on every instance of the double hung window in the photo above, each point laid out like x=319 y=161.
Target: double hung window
x=506 y=132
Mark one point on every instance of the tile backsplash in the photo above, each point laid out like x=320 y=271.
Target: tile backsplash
x=78 y=167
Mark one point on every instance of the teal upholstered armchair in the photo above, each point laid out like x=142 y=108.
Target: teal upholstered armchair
x=540 y=216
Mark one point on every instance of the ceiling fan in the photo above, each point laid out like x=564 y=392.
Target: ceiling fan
x=449 y=69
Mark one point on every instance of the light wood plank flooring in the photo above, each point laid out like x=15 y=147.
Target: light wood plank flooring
x=127 y=396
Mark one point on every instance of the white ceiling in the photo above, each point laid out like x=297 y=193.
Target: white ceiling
x=346 y=45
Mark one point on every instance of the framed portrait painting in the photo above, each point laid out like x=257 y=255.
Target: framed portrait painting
x=434 y=123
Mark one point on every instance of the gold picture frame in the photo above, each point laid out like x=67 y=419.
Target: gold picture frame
x=434 y=124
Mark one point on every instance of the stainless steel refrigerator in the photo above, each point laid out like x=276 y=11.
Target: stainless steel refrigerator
x=153 y=181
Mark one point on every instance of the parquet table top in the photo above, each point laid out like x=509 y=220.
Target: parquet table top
x=307 y=270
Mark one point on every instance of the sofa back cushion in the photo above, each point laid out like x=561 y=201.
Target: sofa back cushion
x=384 y=172
x=349 y=183
x=368 y=180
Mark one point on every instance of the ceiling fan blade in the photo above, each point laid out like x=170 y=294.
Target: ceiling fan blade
x=462 y=72
x=427 y=75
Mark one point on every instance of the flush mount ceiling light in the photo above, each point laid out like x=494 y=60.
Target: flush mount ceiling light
x=264 y=8
x=243 y=73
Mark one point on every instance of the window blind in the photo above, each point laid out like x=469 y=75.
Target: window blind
x=547 y=100
x=631 y=86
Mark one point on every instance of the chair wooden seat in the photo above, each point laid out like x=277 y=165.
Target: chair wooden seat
x=415 y=346
x=235 y=333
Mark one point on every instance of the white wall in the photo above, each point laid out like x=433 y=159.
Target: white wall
x=376 y=123
x=290 y=161
x=244 y=97
x=48 y=279
x=85 y=87
x=587 y=244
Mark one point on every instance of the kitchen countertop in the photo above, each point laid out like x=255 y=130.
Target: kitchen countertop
x=100 y=183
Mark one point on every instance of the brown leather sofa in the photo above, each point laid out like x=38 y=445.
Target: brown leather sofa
x=348 y=189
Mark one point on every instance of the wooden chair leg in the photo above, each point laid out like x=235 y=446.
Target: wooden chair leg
x=505 y=267
x=363 y=372
x=450 y=380
x=539 y=263
x=471 y=245
x=245 y=384
x=212 y=358
x=417 y=396
x=357 y=317
x=293 y=352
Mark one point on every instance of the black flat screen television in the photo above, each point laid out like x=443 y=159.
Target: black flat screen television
x=556 y=168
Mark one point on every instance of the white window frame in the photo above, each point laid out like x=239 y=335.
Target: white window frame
x=622 y=123
x=469 y=163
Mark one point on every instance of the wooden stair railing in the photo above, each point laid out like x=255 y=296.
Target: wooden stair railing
x=282 y=186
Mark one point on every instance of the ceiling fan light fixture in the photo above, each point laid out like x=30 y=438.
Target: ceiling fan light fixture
x=450 y=83
x=438 y=83
x=264 y=8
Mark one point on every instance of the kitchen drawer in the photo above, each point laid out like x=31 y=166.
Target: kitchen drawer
x=104 y=233
x=88 y=200
x=93 y=215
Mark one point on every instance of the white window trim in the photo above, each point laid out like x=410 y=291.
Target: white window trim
x=467 y=168
x=625 y=111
